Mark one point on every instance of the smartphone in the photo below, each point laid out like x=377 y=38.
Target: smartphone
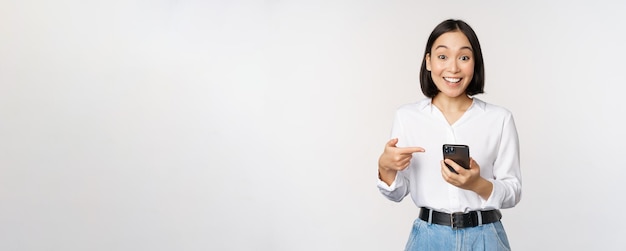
x=457 y=153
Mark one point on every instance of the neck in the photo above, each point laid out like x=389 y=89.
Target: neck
x=453 y=104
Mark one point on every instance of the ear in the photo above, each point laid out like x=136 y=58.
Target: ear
x=427 y=61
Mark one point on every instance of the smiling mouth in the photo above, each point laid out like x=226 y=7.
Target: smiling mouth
x=452 y=80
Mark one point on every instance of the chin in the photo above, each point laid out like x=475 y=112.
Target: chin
x=453 y=94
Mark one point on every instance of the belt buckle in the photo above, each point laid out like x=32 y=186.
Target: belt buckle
x=453 y=218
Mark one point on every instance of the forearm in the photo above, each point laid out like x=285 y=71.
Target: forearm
x=506 y=193
x=386 y=175
x=483 y=188
x=395 y=189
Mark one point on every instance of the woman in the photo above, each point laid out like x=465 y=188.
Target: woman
x=459 y=208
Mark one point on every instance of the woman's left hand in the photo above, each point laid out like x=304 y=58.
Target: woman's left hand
x=468 y=179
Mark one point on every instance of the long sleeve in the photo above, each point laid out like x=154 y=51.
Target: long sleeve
x=507 y=182
x=490 y=133
x=398 y=189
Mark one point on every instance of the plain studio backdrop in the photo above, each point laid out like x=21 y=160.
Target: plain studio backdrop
x=257 y=125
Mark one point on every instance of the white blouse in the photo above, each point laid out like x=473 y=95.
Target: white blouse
x=490 y=133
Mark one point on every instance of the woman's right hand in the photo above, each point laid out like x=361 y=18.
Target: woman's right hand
x=395 y=159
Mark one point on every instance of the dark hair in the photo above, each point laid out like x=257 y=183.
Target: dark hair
x=476 y=86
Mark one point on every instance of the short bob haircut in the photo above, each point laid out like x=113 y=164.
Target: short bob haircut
x=476 y=86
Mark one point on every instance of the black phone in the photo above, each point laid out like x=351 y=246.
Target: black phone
x=458 y=153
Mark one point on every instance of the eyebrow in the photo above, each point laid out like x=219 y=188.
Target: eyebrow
x=446 y=47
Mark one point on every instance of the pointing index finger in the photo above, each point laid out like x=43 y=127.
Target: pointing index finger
x=411 y=149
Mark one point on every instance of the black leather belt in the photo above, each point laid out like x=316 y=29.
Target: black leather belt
x=460 y=220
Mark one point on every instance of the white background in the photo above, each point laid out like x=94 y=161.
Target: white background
x=257 y=125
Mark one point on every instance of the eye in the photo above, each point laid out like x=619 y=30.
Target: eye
x=464 y=58
x=442 y=57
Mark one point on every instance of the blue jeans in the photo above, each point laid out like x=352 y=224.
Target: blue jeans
x=488 y=237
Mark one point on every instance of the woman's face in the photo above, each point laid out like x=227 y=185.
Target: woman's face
x=451 y=63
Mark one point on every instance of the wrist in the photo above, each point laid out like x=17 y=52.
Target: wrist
x=483 y=188
x=386 y=175
x=385 y=170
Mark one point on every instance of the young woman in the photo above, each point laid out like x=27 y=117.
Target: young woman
x=459 y=210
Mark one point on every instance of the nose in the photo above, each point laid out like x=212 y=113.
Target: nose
x=453 y=66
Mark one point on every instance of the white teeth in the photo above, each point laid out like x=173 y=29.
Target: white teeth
x=452 y=80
